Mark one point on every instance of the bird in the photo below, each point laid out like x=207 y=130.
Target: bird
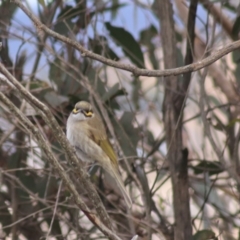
x=86 y=133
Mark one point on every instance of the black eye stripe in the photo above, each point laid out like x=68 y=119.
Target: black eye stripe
x=86 y=110
x=87 y=113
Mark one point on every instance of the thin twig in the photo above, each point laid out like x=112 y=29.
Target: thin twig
x=61 y=171
x=41 y=200
x=61 y=138
x=207 y=128
x=55 y=209
x=130 y=68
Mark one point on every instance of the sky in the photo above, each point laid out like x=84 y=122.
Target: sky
x=142 y=19
x=132 y=17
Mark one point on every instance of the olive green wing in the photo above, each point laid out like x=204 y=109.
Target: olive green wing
x=108 y=149
x=98 y=134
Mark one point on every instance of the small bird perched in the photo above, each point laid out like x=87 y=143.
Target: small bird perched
x=86 y=132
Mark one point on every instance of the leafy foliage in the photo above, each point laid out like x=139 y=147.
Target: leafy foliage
x=33 y=202
x=129 y=45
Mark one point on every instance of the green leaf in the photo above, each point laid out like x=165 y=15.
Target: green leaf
x=212 y=167
x=49 y=192
x=29 y=180
x=204 y=235
x=56 y=229
x=216 y=102
x=127 y=133
x=111 y=54
x=64 y=22
x=42 y=2
x=237 y=73
x=180 y=60
x=85 y=19
x=150 y=138
x=219 y=125
x=54 y=99
x=38 y=85
x=144 y=182
x=5 y=216
x=44 y=181
x=66 y=83
x=7 y=10
x=73 y=99
x=113 y=8
x=236 y=56
x=179 y=37
x=147 y=34
x=236 y=59
x=70 y=86
x=100 y=46
x=137 y=86
x=229 y=6
x=236 y=28
x=63 y=27
x=55 y=72
x=232 y=123
x=96 y=81
x=152 y=57
x=69 y=12
x=113 y=92
x=129 y=45
x=13 y=160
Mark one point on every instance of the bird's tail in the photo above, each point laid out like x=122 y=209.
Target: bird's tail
x=115 y=174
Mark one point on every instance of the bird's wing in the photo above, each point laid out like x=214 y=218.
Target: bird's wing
x=98 y=134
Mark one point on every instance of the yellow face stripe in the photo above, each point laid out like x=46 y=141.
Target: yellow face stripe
x=88 y=114
x=74 y=110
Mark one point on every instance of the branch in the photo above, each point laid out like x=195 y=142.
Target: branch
x=231 y=171
x=61 y=171
x=61 y=138
x=130 y=68
x=36 y=198
x=219 y=16
x=190 y=42
x=173 y=106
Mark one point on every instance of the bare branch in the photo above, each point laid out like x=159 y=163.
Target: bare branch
x=130 y=68
x=173 y=106
x=83 y=177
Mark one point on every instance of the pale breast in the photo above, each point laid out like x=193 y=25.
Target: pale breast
x=86 y=149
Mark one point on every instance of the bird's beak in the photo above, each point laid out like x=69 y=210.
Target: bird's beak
x=74 y=110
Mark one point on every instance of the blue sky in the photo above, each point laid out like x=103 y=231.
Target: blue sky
x=132 y=17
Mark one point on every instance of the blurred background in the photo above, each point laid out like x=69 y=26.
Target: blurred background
x=34 y=204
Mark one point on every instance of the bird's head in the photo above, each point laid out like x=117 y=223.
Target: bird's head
x=82 y=111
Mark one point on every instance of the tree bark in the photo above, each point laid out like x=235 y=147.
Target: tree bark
x=172 y=113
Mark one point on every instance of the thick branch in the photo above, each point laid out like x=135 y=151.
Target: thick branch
x=130 y=68
x=190 y=43
x=61 y=171
x=172 y=113
x=219 y=16
x=58 y=133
